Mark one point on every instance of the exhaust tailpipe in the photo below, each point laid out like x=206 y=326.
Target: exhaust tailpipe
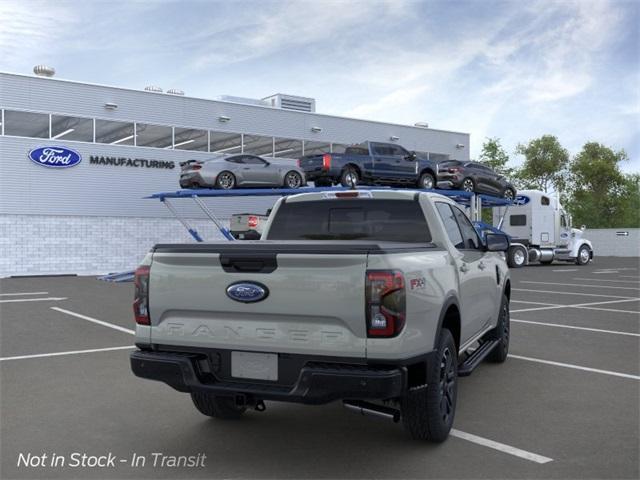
x=373 y=410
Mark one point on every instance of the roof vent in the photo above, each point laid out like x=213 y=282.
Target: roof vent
x=291 y=102
x=153 y=88
x=421 y=124
x=44 y=71
x=175 y=91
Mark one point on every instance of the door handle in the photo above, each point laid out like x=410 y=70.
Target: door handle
x=482 y=266
x=464 y=268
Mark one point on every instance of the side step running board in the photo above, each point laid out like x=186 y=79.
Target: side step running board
x=468 y=366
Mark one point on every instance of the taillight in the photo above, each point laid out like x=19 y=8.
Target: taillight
x=253 y=221
x=385 y=303
x=195 y=167
x=299 y=162
x=454 y=170
x=326 y=161
x=141 y=296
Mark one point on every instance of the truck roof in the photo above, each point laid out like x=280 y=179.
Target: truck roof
x=407 y=194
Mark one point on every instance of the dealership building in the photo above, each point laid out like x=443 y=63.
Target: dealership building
x=91 y=217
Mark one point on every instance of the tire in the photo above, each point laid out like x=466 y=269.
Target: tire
x=225 y=180
x=427 y=181
x=509 y=194
x=468 y=185
x=349 y=177
x=428 y=412
x=292 y=180
x=215 y=406
x=584 y=255
x=501 y=333
x=517 y=257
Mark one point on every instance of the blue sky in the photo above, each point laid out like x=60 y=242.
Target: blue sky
x=510 y=69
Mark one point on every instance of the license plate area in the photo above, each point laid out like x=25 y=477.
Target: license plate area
x=257 y=366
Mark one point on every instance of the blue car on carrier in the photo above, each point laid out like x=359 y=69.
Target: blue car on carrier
x=370 y=163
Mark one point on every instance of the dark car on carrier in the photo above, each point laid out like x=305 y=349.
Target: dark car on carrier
x=370 y=163
x=474 y=177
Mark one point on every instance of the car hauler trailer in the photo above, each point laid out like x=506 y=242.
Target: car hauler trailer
x=541 y=231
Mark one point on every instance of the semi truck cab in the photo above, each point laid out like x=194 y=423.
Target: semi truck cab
x=541 y=231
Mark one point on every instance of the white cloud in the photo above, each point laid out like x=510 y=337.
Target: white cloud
x=31 y=29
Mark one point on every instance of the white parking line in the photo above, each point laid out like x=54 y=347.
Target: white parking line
x=569 y=293
x=580 y=285
x=537 y=303
x=589 y=306
x=22 y=293
x=94 y=320
x=73 y=352
x=628 y=276
x=566 y=270
x=615 y=310
x=485 y=442
x=47 y=299
x=559 y=325
x=576 y=367
x=605 y=280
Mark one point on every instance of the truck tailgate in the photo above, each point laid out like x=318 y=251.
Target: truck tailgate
x=319 y=313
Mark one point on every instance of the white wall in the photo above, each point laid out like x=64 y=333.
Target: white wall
x=606 y=242
x=56 y=244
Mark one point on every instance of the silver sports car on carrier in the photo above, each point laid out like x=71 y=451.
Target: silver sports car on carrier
x=235 y=171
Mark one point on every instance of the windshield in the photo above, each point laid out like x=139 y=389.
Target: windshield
x=351 y=219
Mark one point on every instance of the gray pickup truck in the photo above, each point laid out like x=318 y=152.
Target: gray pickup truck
x=377 y=298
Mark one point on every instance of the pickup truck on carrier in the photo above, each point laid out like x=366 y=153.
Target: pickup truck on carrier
x=377 y=298
x=370 y=163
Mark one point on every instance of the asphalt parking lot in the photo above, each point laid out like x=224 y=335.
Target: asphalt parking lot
x=564 y=405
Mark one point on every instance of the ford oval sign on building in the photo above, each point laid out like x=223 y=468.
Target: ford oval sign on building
x=247 y=292
x=55 y=157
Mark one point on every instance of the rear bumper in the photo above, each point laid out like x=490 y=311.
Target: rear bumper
x=317 y=382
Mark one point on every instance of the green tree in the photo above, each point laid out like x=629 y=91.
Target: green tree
x=493 y=155
x=600 y=195
x=545 y=164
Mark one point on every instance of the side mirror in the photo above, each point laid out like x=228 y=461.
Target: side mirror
x=583 y=227
x=411 y=157
x=496 y=242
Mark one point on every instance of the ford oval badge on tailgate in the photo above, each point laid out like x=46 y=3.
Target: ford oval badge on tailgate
x=247 y=292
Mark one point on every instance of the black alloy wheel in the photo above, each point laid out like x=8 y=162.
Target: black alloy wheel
x=468 y=185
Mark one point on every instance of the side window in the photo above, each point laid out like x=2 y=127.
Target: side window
x=450 y=224
x=399 y=151
x=235 y=159
x=251 y=160
x=469 y=234
x=563 y=221
x=544 y=201
x=517 y=220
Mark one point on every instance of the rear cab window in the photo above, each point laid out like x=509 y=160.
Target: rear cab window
x=400 y=221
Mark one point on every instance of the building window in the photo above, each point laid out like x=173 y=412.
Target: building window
x=258 y=145
x=338 y=147
x=316 y=148
x=114 y=133
x=71 y=128
x=26 y=124
x=190 y=139
x=225 y=143
x=287 y=148
x=158 y=136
